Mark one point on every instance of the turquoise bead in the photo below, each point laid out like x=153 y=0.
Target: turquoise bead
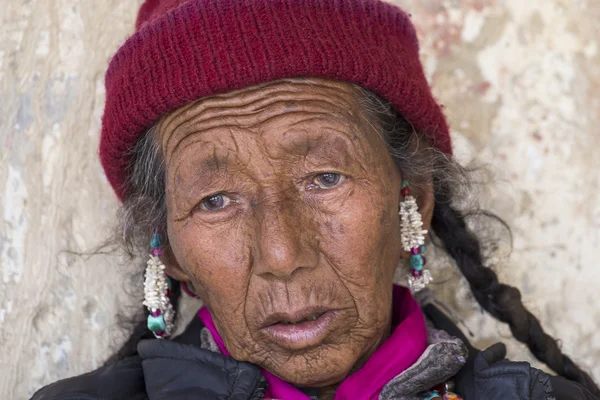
x=423 y=248
x=156 y=239
x=169 y=283
x=416 y=262
x=156 y=324
x=432 y=395
x=404 y=184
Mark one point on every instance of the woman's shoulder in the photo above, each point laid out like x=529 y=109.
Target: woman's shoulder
x=177 y=369
x=163 y=370
x=123 y=379
x=489 y=375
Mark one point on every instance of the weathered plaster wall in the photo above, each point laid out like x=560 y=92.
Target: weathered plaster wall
x=520 y=82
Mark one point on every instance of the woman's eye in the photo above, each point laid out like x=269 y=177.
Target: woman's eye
x=328 y=180
x=215 y=202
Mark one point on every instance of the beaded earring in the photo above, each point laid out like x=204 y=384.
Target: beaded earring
x=157 y=290
x=413 y=240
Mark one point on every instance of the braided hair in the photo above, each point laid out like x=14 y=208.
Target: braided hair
x=502 y=301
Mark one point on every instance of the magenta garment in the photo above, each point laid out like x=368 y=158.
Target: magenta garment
x=401 y=350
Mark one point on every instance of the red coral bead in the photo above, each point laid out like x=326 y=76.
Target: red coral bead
x=405 y=192
x=156 y=313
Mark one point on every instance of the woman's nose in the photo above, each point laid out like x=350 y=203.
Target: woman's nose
x=281 y=248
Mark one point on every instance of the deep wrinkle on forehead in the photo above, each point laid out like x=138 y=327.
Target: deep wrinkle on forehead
x=306 y=135
x=255 y=106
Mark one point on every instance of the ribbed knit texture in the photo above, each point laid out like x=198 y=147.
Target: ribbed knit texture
x=184 y=50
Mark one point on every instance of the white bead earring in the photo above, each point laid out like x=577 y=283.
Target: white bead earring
x=412 y=236
x=157 y=290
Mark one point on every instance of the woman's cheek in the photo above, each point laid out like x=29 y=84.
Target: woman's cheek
x=215 y=258
x=358 y=224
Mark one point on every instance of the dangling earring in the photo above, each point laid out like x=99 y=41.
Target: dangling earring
x=413 y=240
x=157 y=290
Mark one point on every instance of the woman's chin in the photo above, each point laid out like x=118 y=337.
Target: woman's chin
x=313 y=368
x=313 y=379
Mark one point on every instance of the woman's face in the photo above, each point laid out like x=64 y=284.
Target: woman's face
x=283 y=214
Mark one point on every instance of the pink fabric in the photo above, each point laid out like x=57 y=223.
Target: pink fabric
x=406 y=344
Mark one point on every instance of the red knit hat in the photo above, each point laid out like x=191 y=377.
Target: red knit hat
x=184 y=50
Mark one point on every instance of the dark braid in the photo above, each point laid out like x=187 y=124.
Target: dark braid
x=500 y=300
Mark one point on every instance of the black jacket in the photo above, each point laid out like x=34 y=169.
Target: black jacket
x=180 y=369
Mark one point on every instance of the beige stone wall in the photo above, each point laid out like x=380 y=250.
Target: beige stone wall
x=520 y=82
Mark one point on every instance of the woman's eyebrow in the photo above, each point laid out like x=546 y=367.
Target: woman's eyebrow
x=204 y=167
x=213 y=162
x=305 y=139
x=331 y=151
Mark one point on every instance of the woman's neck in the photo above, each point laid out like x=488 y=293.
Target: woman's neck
x=328 y=393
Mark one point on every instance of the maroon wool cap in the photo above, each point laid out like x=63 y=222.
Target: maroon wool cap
x=184 y=50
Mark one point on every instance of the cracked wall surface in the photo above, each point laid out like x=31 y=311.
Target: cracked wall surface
x=520 y=82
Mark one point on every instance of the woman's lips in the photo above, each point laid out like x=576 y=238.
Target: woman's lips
x=303 y=334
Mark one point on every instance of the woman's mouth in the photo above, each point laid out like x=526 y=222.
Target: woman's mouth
x=299 y=330
x=313 y=317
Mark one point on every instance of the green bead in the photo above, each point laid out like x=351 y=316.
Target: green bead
x=156 y=240
x=404 y=184
x=423 y=248
x=432 y=395
x=156 y=324
x=416 y=262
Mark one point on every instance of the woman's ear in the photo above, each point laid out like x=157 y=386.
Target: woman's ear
x=172 y=267
x=421 y=185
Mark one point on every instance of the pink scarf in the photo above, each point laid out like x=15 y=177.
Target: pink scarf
x=401 y=350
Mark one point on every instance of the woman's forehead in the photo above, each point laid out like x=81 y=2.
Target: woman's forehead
x=287 y=112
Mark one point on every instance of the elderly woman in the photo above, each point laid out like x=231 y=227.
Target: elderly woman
x=283 y=158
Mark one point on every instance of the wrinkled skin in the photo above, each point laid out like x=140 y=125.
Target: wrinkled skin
x=274 y=236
